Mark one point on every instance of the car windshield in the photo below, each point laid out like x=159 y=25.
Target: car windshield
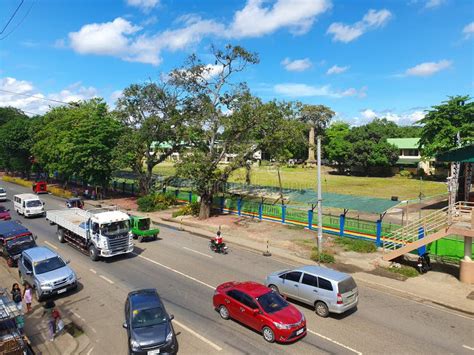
x=272 y=302
x=2 y=191
x=148 y=317
x=16 y=242
x=115 y=228
x=144 y=224
x=34 y=203
x=48 y=265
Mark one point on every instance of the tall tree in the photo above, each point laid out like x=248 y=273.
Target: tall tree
x=317 y=117
x=154 y=129
x=338 y=149
x=442 y=124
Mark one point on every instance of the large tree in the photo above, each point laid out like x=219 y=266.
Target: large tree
x=154 y=129
x=444 y=122
x=338 y=149
x=317 y=117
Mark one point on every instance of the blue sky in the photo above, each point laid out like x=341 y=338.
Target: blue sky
x=392 y=58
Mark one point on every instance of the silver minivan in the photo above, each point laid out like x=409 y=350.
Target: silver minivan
x=46 y=272
x=325 y=289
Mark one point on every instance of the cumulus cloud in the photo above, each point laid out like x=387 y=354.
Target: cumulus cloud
x=428 y=68
x=346 y=33
x=257 y=19
x=304 y=90
x=468 y=30
x=336 y=70
x=144 y=5
x=297 y=64
x=403 y=118
x=23 y=95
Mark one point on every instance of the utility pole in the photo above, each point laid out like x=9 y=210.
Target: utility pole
x=320 y=212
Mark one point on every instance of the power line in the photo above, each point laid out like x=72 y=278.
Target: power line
x=19 y=23
x=12 y=16
x=38 y=97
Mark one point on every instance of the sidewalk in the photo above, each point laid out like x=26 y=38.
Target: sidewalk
x=36 y=326
x=294 y=244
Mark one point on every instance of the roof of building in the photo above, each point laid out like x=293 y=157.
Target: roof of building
x=462 y=155
x=404 y=143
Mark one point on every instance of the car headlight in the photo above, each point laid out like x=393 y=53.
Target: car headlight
x=71 y=277
x=47 y=284
x=303 y=318
x=169 y=337
x=281 y=326
x=134 y=345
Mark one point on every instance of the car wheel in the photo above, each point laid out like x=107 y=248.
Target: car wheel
x=39 y=297
x=321 y=309
x=61 y=235
x=274 y=288
x=268 y=334
x=224 y=312
x=93 y=253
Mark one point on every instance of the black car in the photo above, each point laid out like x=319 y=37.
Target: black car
x=14 y=239
x=148 y=325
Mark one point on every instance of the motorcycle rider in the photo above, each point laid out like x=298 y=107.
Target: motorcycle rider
x=218 y=241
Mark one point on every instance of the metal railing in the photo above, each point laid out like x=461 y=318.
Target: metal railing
x=433 y=222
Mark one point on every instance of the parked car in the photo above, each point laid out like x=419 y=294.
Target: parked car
x=4 y=213
x=3 y=194
x=14 y=239
x=260 y=308
x=148 y=325
x=46 y=272
x=326 y=289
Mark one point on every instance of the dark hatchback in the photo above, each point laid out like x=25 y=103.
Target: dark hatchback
x=148 y=325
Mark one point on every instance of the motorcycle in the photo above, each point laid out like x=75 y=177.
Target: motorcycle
x=218 y=248
x=424 y=263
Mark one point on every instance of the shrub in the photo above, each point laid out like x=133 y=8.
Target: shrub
x=405 y=174
x=404 y=270
x=357 y=245
x=155 y=202
x=325 y=257
x=187 y=210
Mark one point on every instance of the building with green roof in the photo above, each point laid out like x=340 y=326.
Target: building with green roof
x=409 y=157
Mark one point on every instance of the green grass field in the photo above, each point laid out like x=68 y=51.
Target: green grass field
x=300 y=178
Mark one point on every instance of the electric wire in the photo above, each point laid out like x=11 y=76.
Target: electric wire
x=20 y=22
x=36 y=97
x=12 y=16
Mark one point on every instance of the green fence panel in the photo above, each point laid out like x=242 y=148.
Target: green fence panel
x=293 y=214
x=449 y=248
x=271 y=210
x=249 y=207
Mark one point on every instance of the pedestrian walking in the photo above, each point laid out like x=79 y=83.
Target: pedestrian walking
x=16 y=296
x=48 y=311
x=28 y=297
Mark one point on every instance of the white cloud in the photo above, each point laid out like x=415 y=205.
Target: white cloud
x=403 y=118
x=115 y=96
x=256 y=19
x=372 y=19
x=304 y=90
x=144 y=5
x=297 y=64
x=431 y=4
x=337 y=70
x=36 y=104
x=468 y=30
x=368 y=114
x=428 y=68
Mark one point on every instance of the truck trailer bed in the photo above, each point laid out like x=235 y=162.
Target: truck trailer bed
x=72 y=219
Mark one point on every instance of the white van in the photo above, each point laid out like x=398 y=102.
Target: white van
x=28 y=205
x=3 y=194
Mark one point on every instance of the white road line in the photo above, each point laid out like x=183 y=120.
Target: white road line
x=78 y=315
x=93 y=271
x=198 y=252
x=51 y=245
x=468 y=347
x=199 y=336
x=176 y=271
x=90 y=351
x=95 y=331
x=106 y=279
x=334 y=341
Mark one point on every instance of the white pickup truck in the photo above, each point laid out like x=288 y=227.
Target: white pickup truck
x=101 y=232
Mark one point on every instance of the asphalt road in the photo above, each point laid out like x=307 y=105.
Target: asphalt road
x=185 y=273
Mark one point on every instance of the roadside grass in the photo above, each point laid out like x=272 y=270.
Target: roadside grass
x=326 y=258
x=301 y=178
x=404 y=270
x=357 y=245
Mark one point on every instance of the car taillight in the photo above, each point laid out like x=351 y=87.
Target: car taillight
x=339 y=299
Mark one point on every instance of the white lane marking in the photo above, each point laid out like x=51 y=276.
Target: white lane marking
x=198 y=252
x=199 y=336
x=468 y=347
x=334 y=341
x=408 y=299
x=106 y=279
x=78 y=315
x=93 y=271
x=176 y=271
x=95 y=331
x=90 y=351
x=51 y=245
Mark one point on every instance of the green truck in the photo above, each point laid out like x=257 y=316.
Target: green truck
x=140 y=227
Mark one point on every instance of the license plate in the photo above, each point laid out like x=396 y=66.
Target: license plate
x=153 y=352
x=62 y=290
x=300 y=331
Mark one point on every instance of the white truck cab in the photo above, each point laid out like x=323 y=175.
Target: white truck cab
x=28 y=205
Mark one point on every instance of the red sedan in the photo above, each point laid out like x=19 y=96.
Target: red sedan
x=260 y=308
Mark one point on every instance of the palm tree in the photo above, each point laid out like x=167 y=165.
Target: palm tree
x=317 y=117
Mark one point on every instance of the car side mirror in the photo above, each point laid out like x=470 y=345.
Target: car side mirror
x=124 y=325
x=68 y=261
x=171 y=316
x=255 y=311
x=44 y=203
x=28 y=272
x=8 y=210
x=35 y=237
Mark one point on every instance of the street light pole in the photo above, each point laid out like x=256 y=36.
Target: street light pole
x=320 y=212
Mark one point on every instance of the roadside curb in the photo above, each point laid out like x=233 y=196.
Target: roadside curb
x=406 y=294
